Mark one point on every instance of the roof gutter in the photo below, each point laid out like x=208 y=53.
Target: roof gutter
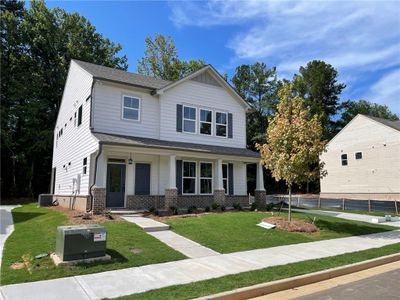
x=124 y=83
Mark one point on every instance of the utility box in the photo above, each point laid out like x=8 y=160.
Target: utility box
x=78 y=242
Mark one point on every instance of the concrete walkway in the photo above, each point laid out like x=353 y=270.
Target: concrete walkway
x=346 y=216
x=6 y=225
x=161 y=232
x=140 y=279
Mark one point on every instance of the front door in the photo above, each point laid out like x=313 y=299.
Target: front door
x=115 y=185
x=142 y=179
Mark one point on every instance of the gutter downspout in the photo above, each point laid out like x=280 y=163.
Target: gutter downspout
x=94 y=178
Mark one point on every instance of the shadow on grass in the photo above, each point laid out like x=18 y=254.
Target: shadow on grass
x=348 y=228
x=20 y=217
x=116 y=257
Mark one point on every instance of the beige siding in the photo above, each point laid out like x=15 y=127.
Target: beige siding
x=76 y=143
x=202 y=96
x=379 y=169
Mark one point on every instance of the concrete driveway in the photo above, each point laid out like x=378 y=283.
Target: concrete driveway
x=6 y=225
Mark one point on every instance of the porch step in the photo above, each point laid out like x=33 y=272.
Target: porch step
x=146 y=224
x=126 y=212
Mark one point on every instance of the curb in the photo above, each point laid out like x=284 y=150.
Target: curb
x=297 y=281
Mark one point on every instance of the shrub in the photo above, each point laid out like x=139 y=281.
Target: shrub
x=207 y=209
x=215 y=206
x=269 y=207
x=152 y=209
x=174 y=210
x=237 y=206
x=223 y=208
x=253 y=206
x=191 y=209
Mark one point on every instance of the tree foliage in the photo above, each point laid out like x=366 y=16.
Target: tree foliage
x=350 y=109
x=161 y=60
x=258 y=85
x=294 y=142
x=37 y=46
x=317 y=84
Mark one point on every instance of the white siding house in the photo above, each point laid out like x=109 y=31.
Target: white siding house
x=363 y=161
x=128 y=141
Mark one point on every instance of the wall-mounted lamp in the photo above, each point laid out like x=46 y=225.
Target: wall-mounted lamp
x=130 y=161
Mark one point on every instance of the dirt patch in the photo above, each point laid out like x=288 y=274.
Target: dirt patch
x=164 y=218
x=77 y=217
x=135 y=250
x=17 y=266
x=296 y=225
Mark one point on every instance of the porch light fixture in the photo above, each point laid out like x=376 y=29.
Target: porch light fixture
x=130 y=161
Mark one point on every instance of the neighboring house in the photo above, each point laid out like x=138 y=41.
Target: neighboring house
x=125 y=140
x=363 y=161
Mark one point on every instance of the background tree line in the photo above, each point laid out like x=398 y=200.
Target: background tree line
x=37 y=45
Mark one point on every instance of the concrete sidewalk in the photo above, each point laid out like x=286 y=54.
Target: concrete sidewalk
x=346 y=216
x=6 y=225
x=140 y=279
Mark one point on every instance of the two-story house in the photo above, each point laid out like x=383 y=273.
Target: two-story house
x=124 y=140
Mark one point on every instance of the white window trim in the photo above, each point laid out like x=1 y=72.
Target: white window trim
x=211 y=123
x=226 y=125
x=342 y=159
x=227 y=178
x=210 y=178
x=355 y=153
x=183 y=119
x=195 y=177
x=138 y=109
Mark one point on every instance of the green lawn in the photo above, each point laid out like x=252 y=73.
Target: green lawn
x=230 y=282
x=237 y=231
x=35 y=232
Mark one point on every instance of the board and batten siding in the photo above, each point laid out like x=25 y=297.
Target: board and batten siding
x=107 y=112
x=379 y=169
x=76 y=143
x=206 y=96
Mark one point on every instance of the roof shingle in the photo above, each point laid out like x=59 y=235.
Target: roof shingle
x=392 y=124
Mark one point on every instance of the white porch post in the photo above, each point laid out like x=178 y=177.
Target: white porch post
x=130 y=178
x=220 y=184
x=260 y=177
x=172 y=171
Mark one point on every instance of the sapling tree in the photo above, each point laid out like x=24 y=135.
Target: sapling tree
x=294 y=142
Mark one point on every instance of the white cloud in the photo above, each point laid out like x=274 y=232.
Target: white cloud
x=354 y=36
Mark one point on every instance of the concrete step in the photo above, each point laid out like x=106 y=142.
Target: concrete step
x=126 y=212
x=147 y=224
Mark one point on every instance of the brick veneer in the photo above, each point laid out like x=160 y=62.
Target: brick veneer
x=219 y=196
x=171 y=198
x=237 y=199
x=99 y=200
x=260 y=198
x=145 y=201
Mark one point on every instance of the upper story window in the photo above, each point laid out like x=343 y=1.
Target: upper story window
x=189 y=177
x=358 y=155
x=221 y=123
x=189 y=119
x=206 y=178
x=225 y=177
x=344 y=159
x=80 y=115
x=205 y=121
x=131 y=108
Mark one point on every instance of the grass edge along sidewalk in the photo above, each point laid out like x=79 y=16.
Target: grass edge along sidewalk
x=231 y=282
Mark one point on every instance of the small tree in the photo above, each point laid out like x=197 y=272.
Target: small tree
x=293 y=142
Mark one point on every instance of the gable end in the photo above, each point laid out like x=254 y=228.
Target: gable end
x=206 y=78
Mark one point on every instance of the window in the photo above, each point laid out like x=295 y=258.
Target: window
x=131 y=108
x=189 y=177
x=84 y=165
x=206 y=175
x=189 y=119
x=80 y=115
x=205 y=121
x=75 y=119
x=220 y=123
x=344 y=159
x=358 y=155
x=225 y=177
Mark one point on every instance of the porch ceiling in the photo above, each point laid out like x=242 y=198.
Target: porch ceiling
x=112 y=139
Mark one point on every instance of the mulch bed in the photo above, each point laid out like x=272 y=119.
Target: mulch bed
x=164 y=218
x=75 y=217
x=296 y=225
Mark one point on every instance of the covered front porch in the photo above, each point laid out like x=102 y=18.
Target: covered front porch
x=144 y=178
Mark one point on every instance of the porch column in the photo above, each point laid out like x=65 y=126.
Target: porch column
x=260 y=193
x=171 y=193
x=219 y=191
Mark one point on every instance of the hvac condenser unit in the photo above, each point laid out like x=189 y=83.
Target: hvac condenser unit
x=80 y=242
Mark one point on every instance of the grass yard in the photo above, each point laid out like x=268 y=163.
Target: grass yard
x=35 y=232
x=237 y=231
x=230 y=282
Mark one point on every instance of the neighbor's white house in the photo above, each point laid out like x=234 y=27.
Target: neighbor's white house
x=363 y=161
x=124 y=140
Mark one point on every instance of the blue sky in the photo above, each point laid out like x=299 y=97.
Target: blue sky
x=361 y=39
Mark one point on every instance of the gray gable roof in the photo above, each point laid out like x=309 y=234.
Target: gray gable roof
x=392 y=124
x=110 y=74
x=113 y=139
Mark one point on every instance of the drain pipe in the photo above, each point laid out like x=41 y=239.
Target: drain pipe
x=94 y=177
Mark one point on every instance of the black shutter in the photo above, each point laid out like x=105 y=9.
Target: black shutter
x=230 y=178
x=230 y=126
x=179 y=176
x=179 y=117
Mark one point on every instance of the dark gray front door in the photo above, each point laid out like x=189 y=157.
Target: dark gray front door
x=142 y=179
x=115 y=185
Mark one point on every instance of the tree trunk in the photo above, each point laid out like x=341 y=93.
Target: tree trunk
x=290 y=203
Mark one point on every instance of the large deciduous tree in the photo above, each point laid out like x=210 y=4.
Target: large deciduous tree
x=161 y=60
x=294 y=142
x=258 y=85
x=318 y=85
x=37 y=46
